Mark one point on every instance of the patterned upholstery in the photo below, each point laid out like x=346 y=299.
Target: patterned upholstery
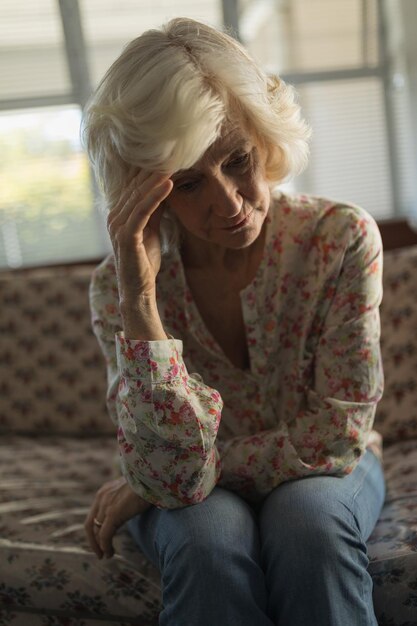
x=392 y=547
x=396 y=417
x=52 y=371
x=47 y=567
x=53 y=386
x=48 y=570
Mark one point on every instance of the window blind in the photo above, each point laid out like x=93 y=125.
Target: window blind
x=349 y=152
x=307 y=35
x=351 y=157
x=47 y=212
x=32 y=51
x=110 y=24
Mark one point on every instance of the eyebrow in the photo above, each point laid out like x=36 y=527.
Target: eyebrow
x=239 y=145
x=180 y=173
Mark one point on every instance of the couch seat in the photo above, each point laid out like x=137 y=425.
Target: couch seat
x=49 y=576
x=392 y=547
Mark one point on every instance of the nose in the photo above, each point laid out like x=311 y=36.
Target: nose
x=225 y=198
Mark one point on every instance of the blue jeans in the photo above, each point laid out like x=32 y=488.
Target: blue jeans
x=298 y=559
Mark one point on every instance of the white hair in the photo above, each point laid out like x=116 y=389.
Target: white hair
x=164 y=101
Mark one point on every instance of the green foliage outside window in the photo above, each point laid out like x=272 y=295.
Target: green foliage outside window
x=46 y=200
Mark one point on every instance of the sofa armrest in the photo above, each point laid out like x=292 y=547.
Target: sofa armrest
x=397 y=233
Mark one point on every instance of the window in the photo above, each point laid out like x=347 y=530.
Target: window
x=46 y=196
x=109 y=25
x=52 y=54
x=336 y=54
x=46 y=200
x=346 y=58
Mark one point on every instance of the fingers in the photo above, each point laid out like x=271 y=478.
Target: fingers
x=140 y=198
x=114 y=504
x=104 y=536
x=138 y=186
x=100 y=537
x=103 y=520
x=92 y=534
x=146 y=206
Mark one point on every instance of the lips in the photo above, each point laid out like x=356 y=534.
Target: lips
x=238 y=224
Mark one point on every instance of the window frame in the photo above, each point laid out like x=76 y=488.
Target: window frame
x=382 y=71
x=77 y=60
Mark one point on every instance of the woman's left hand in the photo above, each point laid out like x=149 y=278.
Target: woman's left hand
x=114 y=504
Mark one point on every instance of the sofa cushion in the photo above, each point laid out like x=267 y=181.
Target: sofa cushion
x=52 y=372
x=396 y=416
x=47 y=567
x=392 y=547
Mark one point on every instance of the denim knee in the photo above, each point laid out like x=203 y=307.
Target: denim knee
x=209 y=558
x=304 y=525
x=208 y=531
x=313 y=551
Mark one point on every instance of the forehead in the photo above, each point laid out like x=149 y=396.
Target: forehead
x=231 y=138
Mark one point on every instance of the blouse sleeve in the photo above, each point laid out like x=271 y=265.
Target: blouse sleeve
x=166 y=419
x=329 y=435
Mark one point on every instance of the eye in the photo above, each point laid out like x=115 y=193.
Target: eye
x=187 y=186
x=239 y=160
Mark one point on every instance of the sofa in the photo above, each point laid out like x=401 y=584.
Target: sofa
x=57 y=446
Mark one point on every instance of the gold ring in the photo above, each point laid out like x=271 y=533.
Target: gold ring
x=97 y=523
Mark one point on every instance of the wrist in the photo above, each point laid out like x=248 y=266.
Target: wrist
x=141 y=319
x=145 y=301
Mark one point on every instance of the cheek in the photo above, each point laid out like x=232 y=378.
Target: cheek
x=187 y=215
x=258 y=183
x=174 y=206
x=262 y=191
x=267 y=192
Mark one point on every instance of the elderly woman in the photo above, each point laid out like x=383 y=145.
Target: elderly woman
x=241 y=332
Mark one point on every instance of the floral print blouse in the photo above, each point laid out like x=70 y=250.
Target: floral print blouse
x=187 y=419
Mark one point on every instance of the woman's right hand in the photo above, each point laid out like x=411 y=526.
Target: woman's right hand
x=133 y=226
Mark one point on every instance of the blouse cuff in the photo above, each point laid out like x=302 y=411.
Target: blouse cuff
x=157 y=361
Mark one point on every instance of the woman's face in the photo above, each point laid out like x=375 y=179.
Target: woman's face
x=224 y=198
